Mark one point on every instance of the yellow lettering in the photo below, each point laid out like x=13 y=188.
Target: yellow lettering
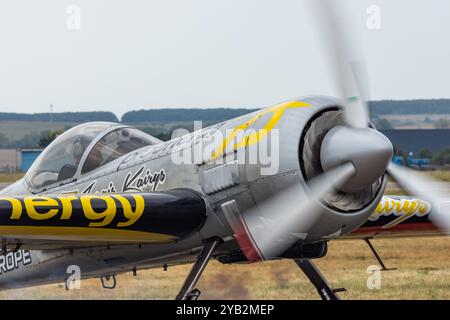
x=403 y=209
x=400 y=219
x=16 y=207
x=107 y=215
x=33 y=203
x=387 y=208
x=66 y=206
x=379 y=207
x=423 y=208
x=128 y=212
x=406 y=206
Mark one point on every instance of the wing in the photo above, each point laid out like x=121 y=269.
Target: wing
x=64 y=221
x=398 y=216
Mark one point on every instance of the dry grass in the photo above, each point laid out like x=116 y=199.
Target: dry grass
x=443 y=175
x=10 y=177
x=423 y=273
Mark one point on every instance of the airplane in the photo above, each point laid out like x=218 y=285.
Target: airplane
x=278 y=183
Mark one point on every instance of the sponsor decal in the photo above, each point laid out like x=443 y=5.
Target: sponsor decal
x=401 y=209
x=134 y=182
x=89 y=188
x=110 y=189
x=85 y=211
x=102 y=217
x=13 y=260
x=139 y=180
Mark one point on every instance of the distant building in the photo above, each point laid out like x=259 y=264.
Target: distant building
x=13 y=160
x=28 y=157
x=413 y=140
x=10 y=160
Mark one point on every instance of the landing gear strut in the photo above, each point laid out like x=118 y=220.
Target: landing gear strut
x=375 y=253
x=318 y=280
x=187 y=291
x=4 y=248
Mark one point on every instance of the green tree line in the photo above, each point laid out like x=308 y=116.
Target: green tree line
x=424 y=106
x=183 y=115
x=377 y=108
x=31 y=140
x=75 y=117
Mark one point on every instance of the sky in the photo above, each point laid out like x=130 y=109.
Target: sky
x=109 y=55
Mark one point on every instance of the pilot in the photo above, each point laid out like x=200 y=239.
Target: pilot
x=93 y=160
x=77 y=149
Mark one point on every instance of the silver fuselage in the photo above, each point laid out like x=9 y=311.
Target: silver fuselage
x=246 y=183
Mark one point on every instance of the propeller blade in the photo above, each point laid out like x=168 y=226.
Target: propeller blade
x=277 y=223
x=350 y=76
x=425 y=188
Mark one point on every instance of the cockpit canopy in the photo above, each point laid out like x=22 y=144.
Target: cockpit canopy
x=83 y=149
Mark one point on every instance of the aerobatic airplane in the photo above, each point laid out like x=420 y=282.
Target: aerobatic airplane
x=278 y=183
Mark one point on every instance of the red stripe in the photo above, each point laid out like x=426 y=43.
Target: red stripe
x=245 y=241
x=414 y=228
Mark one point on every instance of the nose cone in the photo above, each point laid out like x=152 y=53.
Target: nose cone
x=367 y=149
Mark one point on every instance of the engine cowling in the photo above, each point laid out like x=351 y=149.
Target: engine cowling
x=301 y=127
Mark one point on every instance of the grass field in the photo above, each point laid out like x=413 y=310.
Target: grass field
x=10 y=177
x=443 y=175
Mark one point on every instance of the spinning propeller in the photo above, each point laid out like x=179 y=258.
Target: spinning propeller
x=352 y=156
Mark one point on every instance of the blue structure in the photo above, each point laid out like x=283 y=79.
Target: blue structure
x=28 y=157
x=418 y=163
x=413 y=140
x=398 y=160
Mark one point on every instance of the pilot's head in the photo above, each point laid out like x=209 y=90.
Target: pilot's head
x=78 y=148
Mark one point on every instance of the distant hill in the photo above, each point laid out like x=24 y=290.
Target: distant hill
x=72 y=117
x=378 y=108
x=183 y=115
x=214 y=115
x=22 y=130
x=402 y=107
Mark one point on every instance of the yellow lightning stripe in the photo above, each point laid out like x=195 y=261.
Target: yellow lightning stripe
x=253 y=138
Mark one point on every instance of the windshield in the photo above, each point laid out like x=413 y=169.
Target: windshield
x=114 y=145
x=60 y=160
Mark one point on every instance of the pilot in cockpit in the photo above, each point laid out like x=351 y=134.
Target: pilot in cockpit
x=77 y=149
x=93 y=160
x=66 y=155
